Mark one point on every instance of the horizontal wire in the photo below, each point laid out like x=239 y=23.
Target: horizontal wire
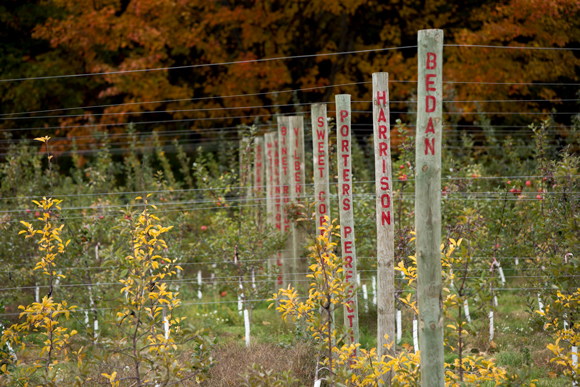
x=265 y=115
x=263 y=200
x=124 y=138
x=212 y=263
x=209 y=64
x=231 y=279
x=261 y=300
x=265 y=187
x=513 y=47
x=194 y=99
x=249 y=107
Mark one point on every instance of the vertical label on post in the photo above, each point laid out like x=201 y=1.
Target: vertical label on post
x=273 y=201
x=259 y=167
x=385 y=218
x=296 y=152
x=297 y=194
x=345 y=205
x=320 y=163
x=285 y=173
x=428 y=206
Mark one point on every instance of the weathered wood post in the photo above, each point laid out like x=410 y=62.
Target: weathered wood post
x=320 y=163
x=259 y=183
x=297 y=195
x=271 y=170
x=269 y=189
x=345 y=206
x=285 y=177
x=278 y=211
x=385 y=218
x=428 y=207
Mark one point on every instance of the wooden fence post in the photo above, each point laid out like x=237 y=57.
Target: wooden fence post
x=385 y=218
x=284 y=163
x=259 y=183
x=297 y=195
x=428 y=207
x=320 y=163
x=270 y=169
x=345 y=206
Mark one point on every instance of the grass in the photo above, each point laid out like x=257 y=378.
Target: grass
x=519 y=341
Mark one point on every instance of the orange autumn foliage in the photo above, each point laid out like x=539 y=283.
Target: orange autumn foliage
x=118 y=35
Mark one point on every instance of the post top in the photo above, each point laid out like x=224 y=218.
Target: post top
x=432 y=33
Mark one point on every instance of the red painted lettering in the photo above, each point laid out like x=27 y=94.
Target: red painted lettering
x=430 y=146
x=429 y=82
x=388 y=202
x=382 y=117
x=347 y=230
x=345 y=190
x=346 y=204
x=384 y=183
x=431 y=61
x=345 y=145
x=382 y=148
x=429 y=109
x=348 y=261
x=345 y=175
x=348 y=246
x=320 y=122
x=343 y=115
x=382 y=97
x=430 y=128
x=386 y=218
x=382 y=132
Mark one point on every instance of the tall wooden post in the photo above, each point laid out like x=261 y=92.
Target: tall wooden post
x=259 y=183
x=270 y=150
x=245 y=162
x=385 y=218
x=297 y=195
x=320 y=163
x=285 y=179
x=345 y=206
x=278 y=207
x=428 y=207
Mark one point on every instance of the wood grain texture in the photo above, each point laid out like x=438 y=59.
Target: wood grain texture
x=428 y=207
x=286 y=226
x=345 y=208
x=271 y=171
x=384 y=217
x=259 y=183
x=297 y=196
x=320 y=164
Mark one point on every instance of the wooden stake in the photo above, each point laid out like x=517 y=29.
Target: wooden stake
x=269 y=140
x=320 y=163
x=385 y=218
x=278 y=208
x=428 y=207
x=345 y=206
x=259 y=188
x=285 y=179
x=297 y=195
